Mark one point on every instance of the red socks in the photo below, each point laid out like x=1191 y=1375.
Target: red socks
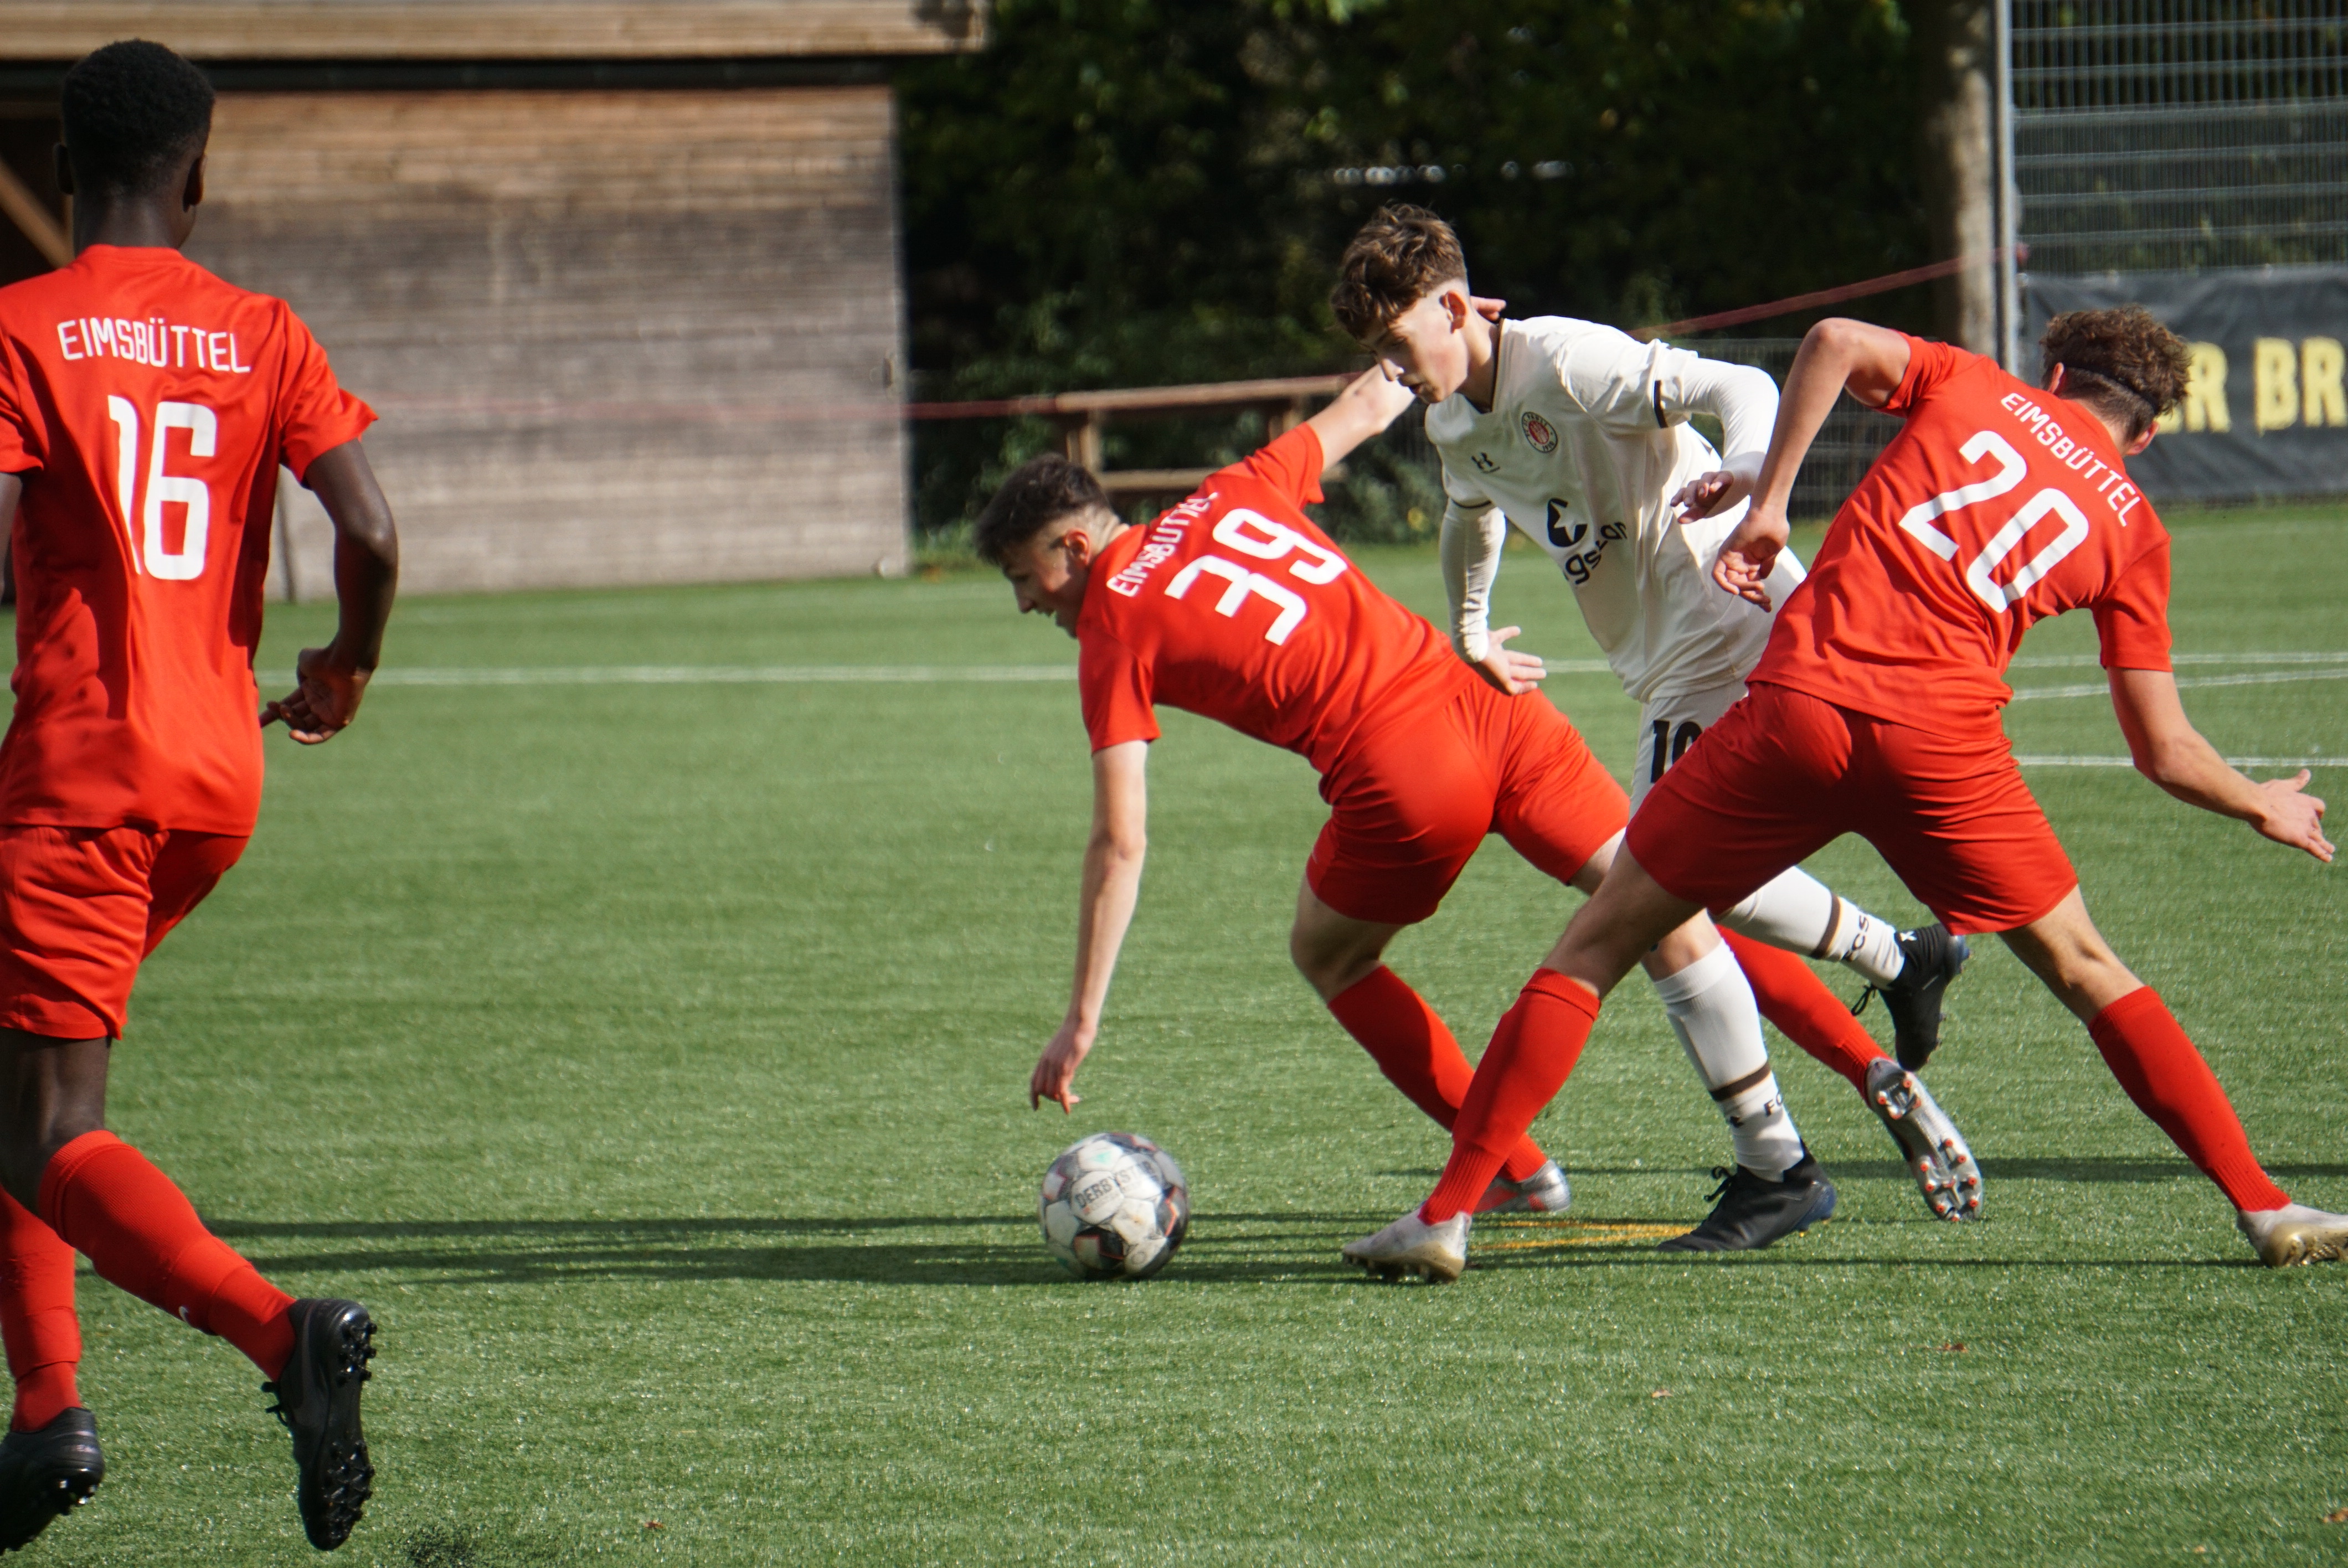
x=37 y=1317
x=1419 y=1054
x=139 y=1230
x=1792 y=997
x=2148 y=1052
x=1532 y=1052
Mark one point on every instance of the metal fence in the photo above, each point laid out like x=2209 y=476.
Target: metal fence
x=2175 y=135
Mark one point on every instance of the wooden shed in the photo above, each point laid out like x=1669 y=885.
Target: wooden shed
x=622 y=276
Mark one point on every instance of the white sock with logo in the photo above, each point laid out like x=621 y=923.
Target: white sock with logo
x=1797 y=912
x=1710 y=1004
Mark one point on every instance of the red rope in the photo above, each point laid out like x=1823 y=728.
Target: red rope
x=1786 y=307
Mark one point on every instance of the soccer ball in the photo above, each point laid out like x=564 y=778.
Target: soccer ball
x=1114 y=1206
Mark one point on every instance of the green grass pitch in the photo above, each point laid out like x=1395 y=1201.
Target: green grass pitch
x=651 y=1057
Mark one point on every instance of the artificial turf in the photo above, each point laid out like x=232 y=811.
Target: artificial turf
x=651 y=1059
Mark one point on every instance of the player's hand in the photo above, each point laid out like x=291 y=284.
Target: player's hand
x=1515 y=673
x=1491 y=310
x=1055 y=1070
x=1709 y=495
x=327 y=688
x=2293 y=816
x=1749 y=553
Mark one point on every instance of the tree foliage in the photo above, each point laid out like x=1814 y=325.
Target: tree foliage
x=1136 y=192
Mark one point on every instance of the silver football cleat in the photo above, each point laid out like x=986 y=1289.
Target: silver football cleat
x=1411 y=1246
x=2294 y=1234
x=1545 y=1192
x=1934 y=1152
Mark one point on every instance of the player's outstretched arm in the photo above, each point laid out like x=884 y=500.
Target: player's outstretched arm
x=2171 y=753
x=1358 y=413
x=1113 y=857
x=330 y=681
x=1837 y=355
x=1471 y=550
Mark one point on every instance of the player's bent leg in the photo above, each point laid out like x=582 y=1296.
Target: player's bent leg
x=1339 y=957
x=2156 y=1063
x=1936 y=1154
x=1539 y=1039
x=1910 y=969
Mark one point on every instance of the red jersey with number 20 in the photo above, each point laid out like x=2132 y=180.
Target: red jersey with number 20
x=1235 y=607
x=1999 y=505
x=147 y=406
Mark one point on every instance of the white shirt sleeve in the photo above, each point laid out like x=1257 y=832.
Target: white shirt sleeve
x=1472 y=537
x=1741 y=397
x=1632 y=388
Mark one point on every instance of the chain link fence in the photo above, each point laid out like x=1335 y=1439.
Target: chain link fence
x=2177 y=135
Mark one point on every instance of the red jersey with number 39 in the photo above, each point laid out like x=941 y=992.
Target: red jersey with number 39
x=147 y=406
x=1998 y=505
x=1235 y=607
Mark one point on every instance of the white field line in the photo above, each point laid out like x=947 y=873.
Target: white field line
x=722 y=674
x=939 y=674
x=2030 y=760
x=2191 y=682
x=2090 y=661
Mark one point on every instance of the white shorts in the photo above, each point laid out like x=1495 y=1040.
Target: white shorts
x=1668 y=726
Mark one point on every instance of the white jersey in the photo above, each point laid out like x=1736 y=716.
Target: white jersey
x=1586 y=443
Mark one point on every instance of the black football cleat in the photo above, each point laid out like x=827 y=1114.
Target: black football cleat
x=1752 y=1211
x=47 y=1473
x=318 y=1400
x=1933 y=956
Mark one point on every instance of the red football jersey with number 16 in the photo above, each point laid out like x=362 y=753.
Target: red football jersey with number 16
x=1998 y=505
x=147 y=406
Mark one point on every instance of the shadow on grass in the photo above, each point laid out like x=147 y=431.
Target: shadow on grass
x=881 y=1250
x=1293 y=1248
x=2080 y=1170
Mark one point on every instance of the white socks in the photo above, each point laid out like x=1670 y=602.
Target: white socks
x=1710 y=1004
x=1802 y=915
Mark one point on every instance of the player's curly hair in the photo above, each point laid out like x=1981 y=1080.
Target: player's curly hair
x=1039 y=493
x=2121 y=363
x=130 y=111
x=1400 y=253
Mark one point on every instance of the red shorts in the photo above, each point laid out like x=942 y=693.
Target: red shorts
x=1785 y=773
x=1410 y=805
x=80 y=906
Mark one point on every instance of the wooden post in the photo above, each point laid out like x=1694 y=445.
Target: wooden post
x=32 y=215
x=1080 y=436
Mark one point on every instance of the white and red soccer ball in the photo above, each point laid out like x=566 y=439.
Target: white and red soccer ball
x=1114 y=1206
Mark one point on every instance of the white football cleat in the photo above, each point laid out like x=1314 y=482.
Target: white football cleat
x=1412 y=1246
x=1545 y=1192
x=1934 y=1152
x=2294 y=1234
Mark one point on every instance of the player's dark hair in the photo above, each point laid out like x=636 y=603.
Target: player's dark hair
x=1402 y=252
x=2121 y=363
x=1039 y=493
x=130 y=111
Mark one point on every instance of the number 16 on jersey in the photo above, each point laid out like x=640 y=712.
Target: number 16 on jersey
x=157 y=559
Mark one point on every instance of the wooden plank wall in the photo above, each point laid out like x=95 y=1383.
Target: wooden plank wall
x=492 y=29
x=616 y=337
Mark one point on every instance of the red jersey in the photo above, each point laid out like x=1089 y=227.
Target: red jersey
x=1999 y=505
x=1235 y=607
x=147 y=406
